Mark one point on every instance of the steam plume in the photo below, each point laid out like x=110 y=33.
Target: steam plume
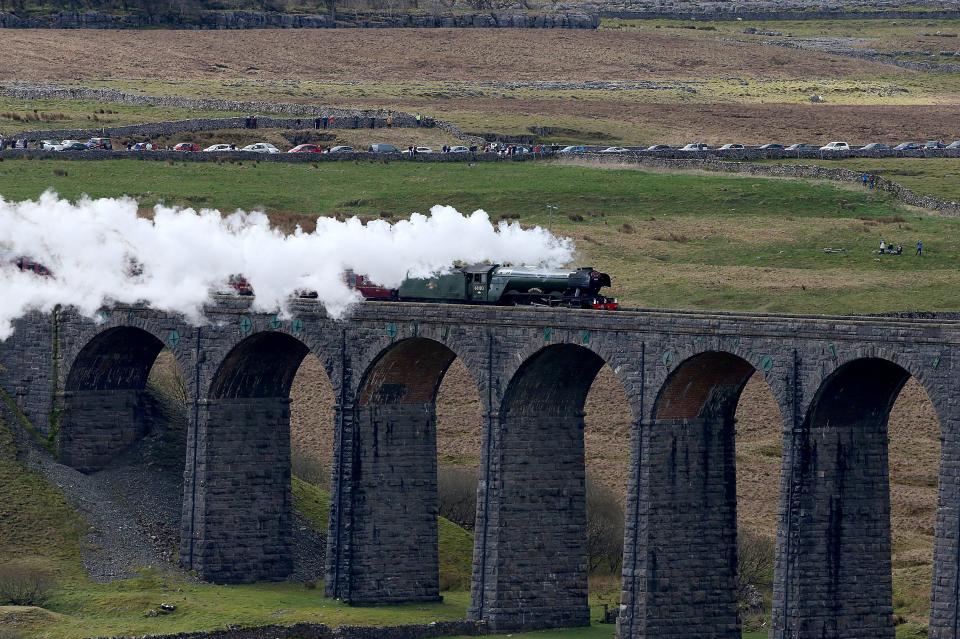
x=100 y=252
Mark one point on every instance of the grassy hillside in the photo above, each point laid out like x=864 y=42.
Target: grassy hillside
x=668 y=240
x=36 y=523
x=939 y=177
x=635 y=83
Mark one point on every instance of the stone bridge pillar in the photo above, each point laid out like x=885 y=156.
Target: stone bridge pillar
x=237 y=514
x=680 y=552
x=530 y=554
x=833 y=572
x=945 y=604
x=237 y=525
x=383 y=545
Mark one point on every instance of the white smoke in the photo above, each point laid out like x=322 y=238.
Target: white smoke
x=186 y=255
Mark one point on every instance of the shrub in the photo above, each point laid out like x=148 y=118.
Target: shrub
x=575 y=217
x=626 y=228
x=755 y=556
x=605 y=524
x=309 y=469
x=457 y=489
x=22 y=584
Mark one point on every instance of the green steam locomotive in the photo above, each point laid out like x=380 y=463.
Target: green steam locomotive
x=500 y=285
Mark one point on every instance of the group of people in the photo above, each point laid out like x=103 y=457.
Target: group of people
x=890 y=249
x=353 y=122
x=15 y=144
x=869 y=180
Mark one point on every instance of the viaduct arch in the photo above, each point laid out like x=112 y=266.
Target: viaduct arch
x=834 y=379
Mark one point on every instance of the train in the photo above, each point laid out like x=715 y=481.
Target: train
x=492 y=284
x=486 y=284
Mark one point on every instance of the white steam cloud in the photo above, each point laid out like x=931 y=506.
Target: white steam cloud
x=185 y=255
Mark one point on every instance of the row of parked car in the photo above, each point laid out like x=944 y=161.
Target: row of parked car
x=831 y=146
x=258 y=147
x=266 y=147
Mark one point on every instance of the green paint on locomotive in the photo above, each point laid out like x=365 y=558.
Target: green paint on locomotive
x=493 y=284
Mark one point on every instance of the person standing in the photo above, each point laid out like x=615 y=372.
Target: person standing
x=920 y=247
x=883 y=245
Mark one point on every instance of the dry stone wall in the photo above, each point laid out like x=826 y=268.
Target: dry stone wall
x=574 y=18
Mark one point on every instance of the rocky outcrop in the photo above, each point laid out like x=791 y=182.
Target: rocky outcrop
x=568 y=19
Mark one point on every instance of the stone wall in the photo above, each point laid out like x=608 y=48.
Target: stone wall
x=567 y=19
x=772 y=12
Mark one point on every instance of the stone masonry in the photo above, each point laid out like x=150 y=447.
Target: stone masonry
x=77 y=382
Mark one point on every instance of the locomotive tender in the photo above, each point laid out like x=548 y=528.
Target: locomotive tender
x=499 y=285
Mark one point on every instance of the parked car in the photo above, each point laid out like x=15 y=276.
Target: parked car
x=835 y=146
x=907 y=146
x=695 y=146
x=771 y=147
x=306 y=148
x=103 y=144
x=732 y=147
x=875 y=146
x=802 y=146
x=341 y=149
x=73 y=145
x=219 y=147
x=459 y=149
x=615 y=149
x=419 y=150
x=934 y=144
x=383 y=148
x=260 y=147
x=659 y=147
x=954 y=145
x=571 y=150
x=51 y=145
x=187 y=147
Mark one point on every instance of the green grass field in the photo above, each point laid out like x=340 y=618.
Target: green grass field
x=33 y=115
x=668 y=240
x=939 y=177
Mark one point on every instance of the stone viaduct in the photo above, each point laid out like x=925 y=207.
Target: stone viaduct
x=80 y=383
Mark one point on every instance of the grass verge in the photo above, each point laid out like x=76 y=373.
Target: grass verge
x=669 y=240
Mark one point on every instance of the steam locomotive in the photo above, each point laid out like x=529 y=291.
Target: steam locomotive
x=499 y=285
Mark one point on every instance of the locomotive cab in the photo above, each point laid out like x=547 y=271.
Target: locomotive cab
x=478 y=282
